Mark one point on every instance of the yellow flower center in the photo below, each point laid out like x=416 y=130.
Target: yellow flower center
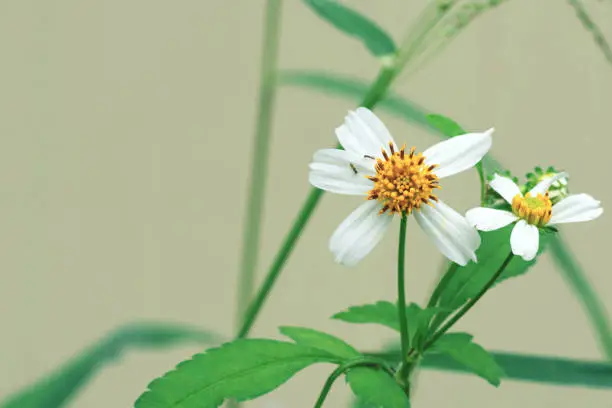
x=535 y=210
x=403 y=182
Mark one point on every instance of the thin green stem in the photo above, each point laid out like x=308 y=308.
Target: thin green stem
x=470 y=304
x=569 y=267
x=341 y=369
x=373 y=96
x=401 y=287
x=259 y=159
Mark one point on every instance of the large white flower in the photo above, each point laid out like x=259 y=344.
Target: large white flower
x=532 y=211
x=395 y=181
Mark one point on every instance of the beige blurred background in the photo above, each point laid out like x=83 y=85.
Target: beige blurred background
x=126 y=130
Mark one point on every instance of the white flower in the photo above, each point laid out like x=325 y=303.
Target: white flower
x=532 y=211
x=395 y=181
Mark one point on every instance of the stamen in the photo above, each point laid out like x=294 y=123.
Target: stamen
x=403 y=182
x=535 y=210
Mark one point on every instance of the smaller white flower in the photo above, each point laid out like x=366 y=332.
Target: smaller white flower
x=532 y=211
x=395 y=181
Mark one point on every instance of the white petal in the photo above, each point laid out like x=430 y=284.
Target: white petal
x=349 y=142
x=543 y=186
x=576 y=208
x=359 y=233
x=331 y=170
x=489 y=219
x=458 y=153
x=451 y=232
x=524 y=240
x=376 y=125
x=363 y=133
x=505 y=187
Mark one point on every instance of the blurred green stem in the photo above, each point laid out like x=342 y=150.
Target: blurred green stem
x=373 y=96
x=589 y=24
x=578 y=281
x=259 y=159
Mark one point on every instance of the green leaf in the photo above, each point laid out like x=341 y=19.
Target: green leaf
x=385 y=313
x=461 y=348
x=418 y=323
x=354 y=24
x=444 y=125
x=374 y=388
x=523 y=367
x=382 y=312
x=241 y=370
x=59 y=387
x=467 y=281
x=322 y=341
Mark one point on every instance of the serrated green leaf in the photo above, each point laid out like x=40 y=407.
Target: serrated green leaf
x=241 y=370
x=444 y=125
x=467 y=281
x=385 y=313
x=461 y=348
x=376 y=40
x=382 y=312
x=322 y=341
x=57 y=389
x=375 y=388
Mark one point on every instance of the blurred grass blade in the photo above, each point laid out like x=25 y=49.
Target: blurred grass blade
x=56 y=389
x=576 y=278
x=524 y=367
x=335 y=84
x=376 y=40
x=589 y=24
x=548 y=370
x=354 y=89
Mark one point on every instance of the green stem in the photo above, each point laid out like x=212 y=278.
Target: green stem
x=373 y=96
x=572 y=272
x=366 y=361
x=470 y=304
x=401 y=288
x=259 y=159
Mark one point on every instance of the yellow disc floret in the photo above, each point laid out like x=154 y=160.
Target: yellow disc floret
x=535 y=210
x=403 y=181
